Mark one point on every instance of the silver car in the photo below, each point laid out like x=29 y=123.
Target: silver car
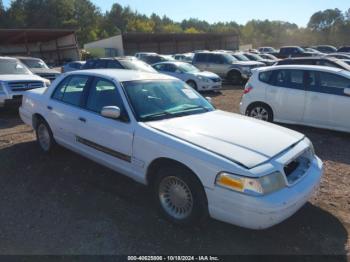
x=225 y=65
x=198 y=80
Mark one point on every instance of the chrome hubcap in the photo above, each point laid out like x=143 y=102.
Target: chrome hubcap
x=260 y=113
x=175 y=197
x=44 y=137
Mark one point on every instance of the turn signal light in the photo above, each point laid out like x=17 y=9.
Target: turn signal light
x=247 y=89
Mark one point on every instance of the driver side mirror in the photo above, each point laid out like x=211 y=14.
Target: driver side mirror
x=347 y=91
x=112 y=112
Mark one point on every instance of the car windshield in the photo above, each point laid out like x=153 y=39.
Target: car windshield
x=160 y=99
x=187 y=68
x=240 y=57
x=254 y=57
x=13 y=67
x=137 y=65
x=229 y=58
x=34 y=63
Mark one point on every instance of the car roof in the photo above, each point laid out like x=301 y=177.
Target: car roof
x=171 y=62
x=28 y=57
x=123 y=75
x=302 y=67
x=313 y=58
x=7 y=57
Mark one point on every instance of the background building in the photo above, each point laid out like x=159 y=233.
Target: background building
x=55 y=46
x=162 y=43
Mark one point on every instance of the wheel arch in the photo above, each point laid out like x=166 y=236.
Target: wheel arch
x=164 y=161
x=35 y=119
x=260 y=103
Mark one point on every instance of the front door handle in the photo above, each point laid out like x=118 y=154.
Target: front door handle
x=49 y=107
x=82 y=119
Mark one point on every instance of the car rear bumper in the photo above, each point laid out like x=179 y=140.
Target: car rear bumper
x=263 y=212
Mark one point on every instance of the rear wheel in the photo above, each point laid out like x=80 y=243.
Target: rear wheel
x=44 y=136
x=260 y=111
x=179 y=196
x=234 y=77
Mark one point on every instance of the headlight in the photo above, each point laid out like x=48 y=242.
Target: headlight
x=311 y=146
x=204 y=79
x=252 y=186
x=2 y=88
x=47 y=82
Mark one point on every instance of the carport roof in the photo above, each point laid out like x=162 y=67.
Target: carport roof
x=21 y=36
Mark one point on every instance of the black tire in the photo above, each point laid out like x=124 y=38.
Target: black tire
x=235 y=77
x=266 y=112
x=192 y=84
x=42 y=126
x=199 y=211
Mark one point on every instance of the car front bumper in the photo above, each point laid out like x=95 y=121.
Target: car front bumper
x=266 y=211
x=204 y=86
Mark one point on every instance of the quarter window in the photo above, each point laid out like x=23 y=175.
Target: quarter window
x=265 y=76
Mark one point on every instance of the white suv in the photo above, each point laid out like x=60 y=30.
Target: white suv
x=15 y=79
x=316 y=96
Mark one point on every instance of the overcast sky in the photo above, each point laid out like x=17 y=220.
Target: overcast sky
x=241 y=11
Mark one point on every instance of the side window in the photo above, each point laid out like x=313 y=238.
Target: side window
x=216 y=59
x=103 y=93
x=74 y=90
x=281 y=78
x=100 y=64
x=296 y=78
x=201 y=58
x=328 y=80
x=310 y=79
x=265 y=76
x=159 y=67
x=114 y=64
x=89 y=64
x=171 y=68
x=59 y=91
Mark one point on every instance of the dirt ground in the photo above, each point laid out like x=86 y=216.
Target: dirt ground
x=66 y=204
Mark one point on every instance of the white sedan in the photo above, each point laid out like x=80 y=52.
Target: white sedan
x=160 y=132
x=315 y=96
x=198 y=80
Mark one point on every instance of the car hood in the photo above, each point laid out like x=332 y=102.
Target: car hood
x=248 y=63
x=245 y=141
x=40 y=71
x=206 y=74
x=20 y=78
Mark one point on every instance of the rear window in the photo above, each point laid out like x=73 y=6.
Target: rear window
x=265 y=76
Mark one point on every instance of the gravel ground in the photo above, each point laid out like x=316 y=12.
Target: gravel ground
x=66 y=204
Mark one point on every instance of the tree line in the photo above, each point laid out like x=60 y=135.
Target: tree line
x=331 y=26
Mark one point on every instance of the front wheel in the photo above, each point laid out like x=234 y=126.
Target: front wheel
x=192 y=84
x=44 y=136
x=261 y=112
x=179 y=196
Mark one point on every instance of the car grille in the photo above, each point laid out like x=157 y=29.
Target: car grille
x=51 y=77
x=297 y=168
x=23 y=86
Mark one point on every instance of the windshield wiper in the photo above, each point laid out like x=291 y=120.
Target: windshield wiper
x=194 y=108
x=156 y=115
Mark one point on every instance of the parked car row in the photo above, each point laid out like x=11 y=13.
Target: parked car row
x=148 y=121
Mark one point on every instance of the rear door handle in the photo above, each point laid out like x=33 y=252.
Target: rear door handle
x=82 y=119
x=49 y=107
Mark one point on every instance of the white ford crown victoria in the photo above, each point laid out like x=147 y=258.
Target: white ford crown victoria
x=159 y=131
